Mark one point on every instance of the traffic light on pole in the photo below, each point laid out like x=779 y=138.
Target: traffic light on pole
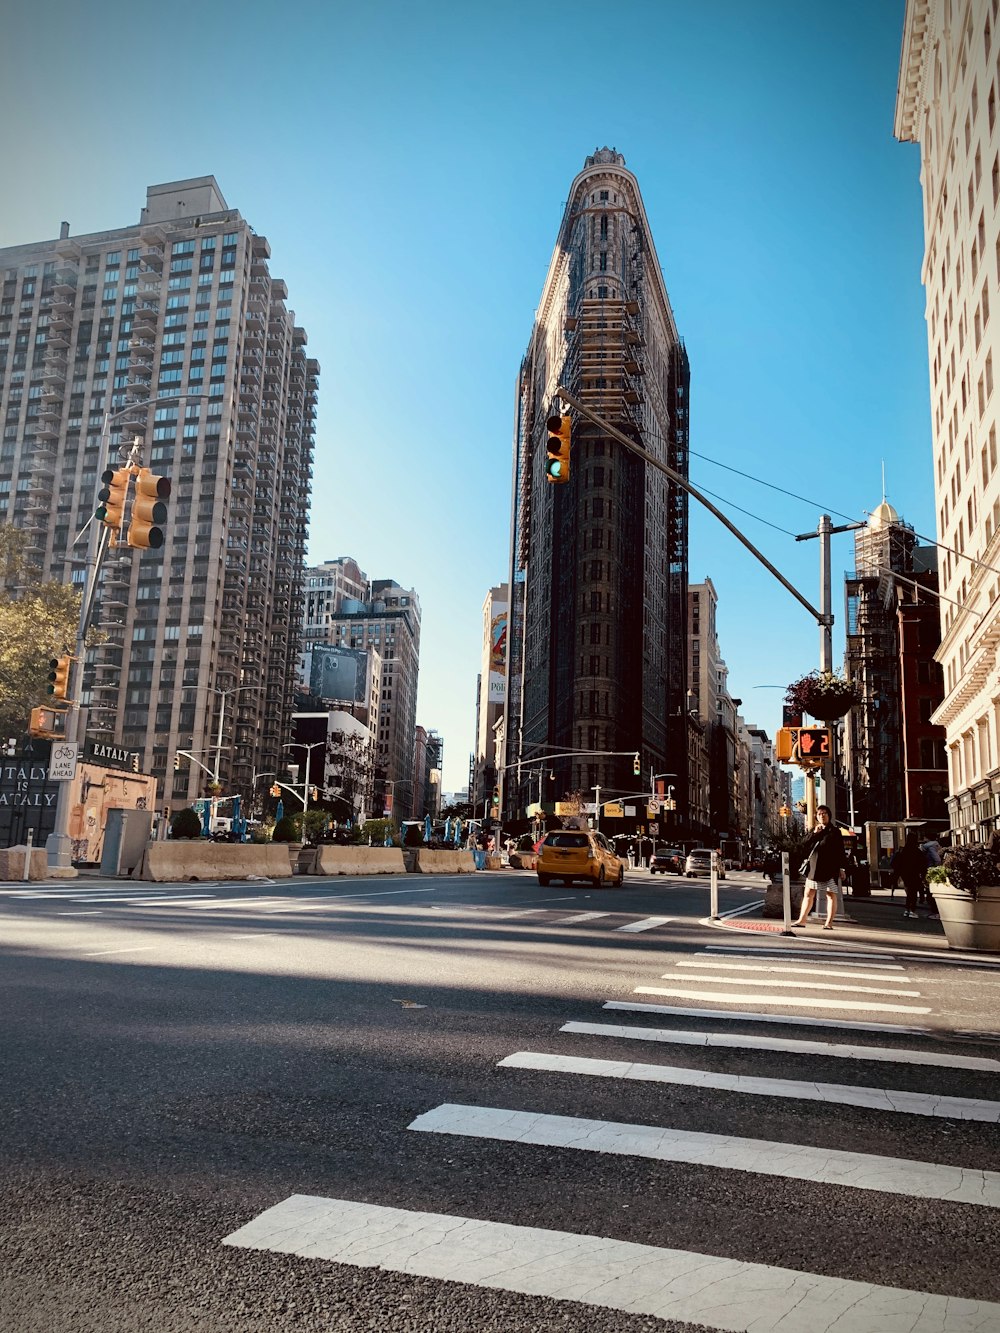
x=557 y=465
x=149 y=512
x=636 y=765
x=59 y=676
x=112 y=496
x=496 y=797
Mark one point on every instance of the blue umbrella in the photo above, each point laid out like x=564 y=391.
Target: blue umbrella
x=458 y=832
x=447 y=829
x=280 y=811
x=428 y=828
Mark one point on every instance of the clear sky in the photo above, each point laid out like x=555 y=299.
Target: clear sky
x=409 y=163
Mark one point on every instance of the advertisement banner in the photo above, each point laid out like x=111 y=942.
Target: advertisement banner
x=498 y=657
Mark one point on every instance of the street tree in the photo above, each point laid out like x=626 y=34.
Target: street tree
x=38 y=621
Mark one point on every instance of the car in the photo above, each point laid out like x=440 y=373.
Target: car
x=668 y=860
x=699 y=862
x=570 y=854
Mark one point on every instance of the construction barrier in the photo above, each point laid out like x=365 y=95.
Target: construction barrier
x=12 y=863
x=194 y=859
x=430 y=862
x=334 y=860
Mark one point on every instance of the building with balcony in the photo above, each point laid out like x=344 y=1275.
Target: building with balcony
x=345 y=610
x=598 y=567
x=947 y=102
x=170 y=336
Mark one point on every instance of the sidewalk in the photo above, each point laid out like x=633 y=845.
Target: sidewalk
x=873 y=922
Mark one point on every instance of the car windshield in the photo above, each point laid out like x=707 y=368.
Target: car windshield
x=567 y=840
x=700 y=856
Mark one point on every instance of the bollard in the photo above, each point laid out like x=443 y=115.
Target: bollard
x=714 y=884
x=27 y=854
x=786 y=896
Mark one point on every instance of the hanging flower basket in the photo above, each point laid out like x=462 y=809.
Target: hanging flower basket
x=213 y=788
x=823 y=695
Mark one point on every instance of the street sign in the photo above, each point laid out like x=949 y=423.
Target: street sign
x=653 y=807
x=654 y=828
x=614 y=810
x=63 y=761
x=630 y=812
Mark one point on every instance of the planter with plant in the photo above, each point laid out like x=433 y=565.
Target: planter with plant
x=823 y=695
x=966 y=891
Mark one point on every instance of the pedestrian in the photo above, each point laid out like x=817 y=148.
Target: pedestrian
x=823 y=866
x=910 y=865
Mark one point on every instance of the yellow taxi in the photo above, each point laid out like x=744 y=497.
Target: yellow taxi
x=570 y=854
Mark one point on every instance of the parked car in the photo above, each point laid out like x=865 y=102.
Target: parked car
x=570 y=854
x=667 y=861
x=699 y=862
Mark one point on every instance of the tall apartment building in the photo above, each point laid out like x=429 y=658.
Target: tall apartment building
x=894 y=754
x=174 y=334
x=598 y=568
x=491 y=688
x=428 y=759
x=947 y=101
x=344 y=608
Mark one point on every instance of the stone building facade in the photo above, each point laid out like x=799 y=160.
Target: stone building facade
x=598 y=568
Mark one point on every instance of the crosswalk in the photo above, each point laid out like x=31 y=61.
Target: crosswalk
x=92 y=902
x=752 y=986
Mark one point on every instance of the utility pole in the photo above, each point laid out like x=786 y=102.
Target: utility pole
x=824 y=531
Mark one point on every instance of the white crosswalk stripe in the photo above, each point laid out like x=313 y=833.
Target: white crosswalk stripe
x=650 y=923
x=681 y=993
x=620 y=1275
x=786 y=1020
x=888 y=1175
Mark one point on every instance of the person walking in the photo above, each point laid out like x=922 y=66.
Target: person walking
x=910 y=865
x=824 y=866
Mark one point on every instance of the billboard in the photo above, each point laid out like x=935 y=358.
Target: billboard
x=339 y=675
x=498 y=657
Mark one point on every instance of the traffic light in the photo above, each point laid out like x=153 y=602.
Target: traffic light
x=813 y=743
x=784 y=744
x=135 y=761
x=275 y=790
x=112 y=496
x=177 y=763
x=557 y=466
x=496 y=796
x=636 y=766
x=59 y=676
x=149 y=511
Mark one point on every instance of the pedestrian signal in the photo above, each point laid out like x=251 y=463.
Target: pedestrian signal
x=813 y=743
x=557 y=464
x=49 y=723
x=275 y=790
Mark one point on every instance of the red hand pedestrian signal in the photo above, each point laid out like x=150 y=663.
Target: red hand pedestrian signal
x=813 y=742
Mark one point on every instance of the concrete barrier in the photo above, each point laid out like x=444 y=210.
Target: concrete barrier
x=429 y=862
x=12 y=863
x=187 y=859
x=329 y=859
x=523 y=861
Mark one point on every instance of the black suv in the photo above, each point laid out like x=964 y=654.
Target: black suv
x=668 y=860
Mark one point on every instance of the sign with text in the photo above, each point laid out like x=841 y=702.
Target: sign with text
x=614 y=810
x=64 y=758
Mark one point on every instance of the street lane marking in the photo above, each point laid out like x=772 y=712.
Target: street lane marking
x=798 y=985
x=778 y=952
x=79 y=914
x=152 y=902
x=583 y=916
x=806 y=1002
x=743 y=1041
x=526 y=911
x=735 y=966
x=873 y=1099
x=672 y=1284
x=789 y=1020
x=789 y=1161
x=135 y=948
x=649 y=923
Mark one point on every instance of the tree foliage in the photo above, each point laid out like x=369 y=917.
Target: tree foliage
x=38 y=621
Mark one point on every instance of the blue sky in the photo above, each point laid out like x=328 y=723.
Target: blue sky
x=409 y=164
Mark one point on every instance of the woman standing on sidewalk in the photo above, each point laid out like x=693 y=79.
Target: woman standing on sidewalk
x=825 y=862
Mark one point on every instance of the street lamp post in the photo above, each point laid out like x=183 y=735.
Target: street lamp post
x=301 y=745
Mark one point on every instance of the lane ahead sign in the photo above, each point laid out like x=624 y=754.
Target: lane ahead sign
x=63 y=761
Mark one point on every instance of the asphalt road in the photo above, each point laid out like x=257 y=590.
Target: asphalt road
x=178 y=1060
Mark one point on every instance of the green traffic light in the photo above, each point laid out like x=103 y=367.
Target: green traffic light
x=554 y=468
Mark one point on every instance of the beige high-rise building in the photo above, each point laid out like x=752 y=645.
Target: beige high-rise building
x=491 y=689
x=171 y=332
x=947 y=101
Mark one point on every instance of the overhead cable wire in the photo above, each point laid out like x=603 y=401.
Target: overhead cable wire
x=749 y=512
